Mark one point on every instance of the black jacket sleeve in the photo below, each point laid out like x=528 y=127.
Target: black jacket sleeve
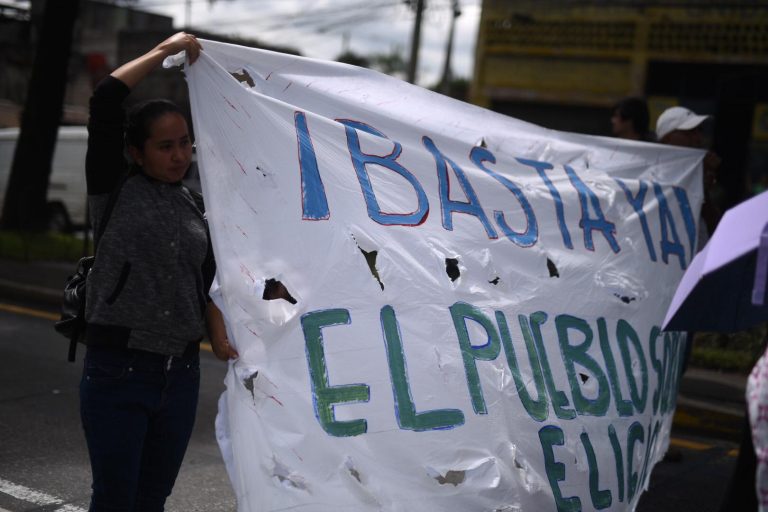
x=104 y=161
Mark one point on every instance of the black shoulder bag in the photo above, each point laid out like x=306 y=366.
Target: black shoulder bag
x=72 y=322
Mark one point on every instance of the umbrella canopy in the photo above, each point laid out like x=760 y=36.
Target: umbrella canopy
x=716 y=292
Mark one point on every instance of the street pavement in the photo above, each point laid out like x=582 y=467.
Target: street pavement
x=44 y=466
x=43 y=459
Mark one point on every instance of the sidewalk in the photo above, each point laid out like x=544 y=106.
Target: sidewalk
x=712 y=403
x=38 y=281
x=709 y=402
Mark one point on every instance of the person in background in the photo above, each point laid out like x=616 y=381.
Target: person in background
x=146 y=302
x=630 y=120
x=679 y=126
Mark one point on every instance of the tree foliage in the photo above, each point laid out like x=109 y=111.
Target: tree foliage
x=350 y=57
x=391 y=63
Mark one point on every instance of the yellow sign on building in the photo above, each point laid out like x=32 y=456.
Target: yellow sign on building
x=563 y=52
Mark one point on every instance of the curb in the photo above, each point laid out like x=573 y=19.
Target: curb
x=15 y=290
x=708 y=421
x=722 y=410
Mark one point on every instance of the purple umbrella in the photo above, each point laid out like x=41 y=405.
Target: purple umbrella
x=724 y=288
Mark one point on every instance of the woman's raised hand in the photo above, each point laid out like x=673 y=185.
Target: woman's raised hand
x=181 y=41
x=133 y=72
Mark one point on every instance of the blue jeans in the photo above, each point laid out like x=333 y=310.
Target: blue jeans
x=138 y=410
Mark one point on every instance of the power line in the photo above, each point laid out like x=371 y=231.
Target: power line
x=164 y=3
x=302 y=18
x=358 y=19
x=308 y=18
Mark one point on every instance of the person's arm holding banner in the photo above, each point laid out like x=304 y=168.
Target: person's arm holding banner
x=133 y=72
x=217 y=333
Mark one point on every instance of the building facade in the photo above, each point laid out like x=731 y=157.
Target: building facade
x=563 y=64
x=106 y=35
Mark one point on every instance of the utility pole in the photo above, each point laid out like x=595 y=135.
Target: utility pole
x=188 y=13
x=345 y=42
x=415 y=41
x=445 y=81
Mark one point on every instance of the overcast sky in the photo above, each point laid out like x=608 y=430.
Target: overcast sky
x=319 y=28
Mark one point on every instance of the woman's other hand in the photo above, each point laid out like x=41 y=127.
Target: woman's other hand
x=217 y=333
x=223 y=350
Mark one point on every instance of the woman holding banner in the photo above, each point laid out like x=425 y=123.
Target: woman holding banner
x=146 y=304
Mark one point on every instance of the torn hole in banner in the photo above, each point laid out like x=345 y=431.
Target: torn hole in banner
x=262 y=171
x=370 y=259
x=259 y=386
x=277 y=305
x=274 y=290
x=451 y=477
x=243 y=77
x=248 y=383
x=626 y=299
x=553 y=272
x=287 y=477
x=524 y=474
x=360 y=484
x=370 y=254
x=485 y=258
x=452 y=268
x=483 y=473
x=353 y=472
x=266 y=178
x=620 y=285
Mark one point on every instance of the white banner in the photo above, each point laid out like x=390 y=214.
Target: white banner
x=477 y=299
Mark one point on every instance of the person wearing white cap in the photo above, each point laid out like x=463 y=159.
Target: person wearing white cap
x=679 y=126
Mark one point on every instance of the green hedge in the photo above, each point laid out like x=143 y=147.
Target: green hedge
x=735 y=352
x=42 y=246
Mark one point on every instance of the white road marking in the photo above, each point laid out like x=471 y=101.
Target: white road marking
x=35 y=497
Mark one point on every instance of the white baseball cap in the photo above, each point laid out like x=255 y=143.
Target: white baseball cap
x=677 y=118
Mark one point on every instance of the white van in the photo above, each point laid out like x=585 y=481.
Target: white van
x=66 y=188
